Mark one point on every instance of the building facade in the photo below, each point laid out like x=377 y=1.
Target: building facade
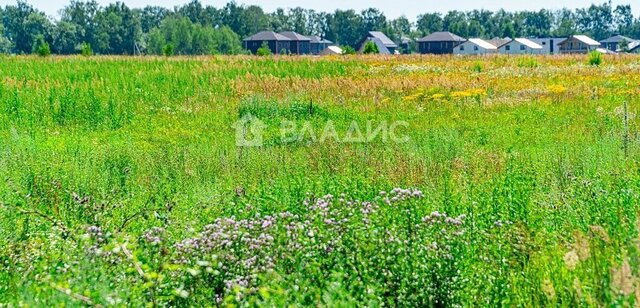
x=439 y=43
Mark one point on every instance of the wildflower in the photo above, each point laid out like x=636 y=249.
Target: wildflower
x=548 y=289
x=571 y=259
x=600 y=232
x=622 y=279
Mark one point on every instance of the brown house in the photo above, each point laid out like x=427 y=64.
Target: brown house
x=578 y=44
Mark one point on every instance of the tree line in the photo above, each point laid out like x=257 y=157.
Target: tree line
x=196 y=29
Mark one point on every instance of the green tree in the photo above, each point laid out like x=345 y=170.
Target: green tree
x=85 y=49
x=371 y=48
x=264 y=50
x=346 y=27
x=348 y=50
x=41 y=47
x=65 y=38
x=167 y=50
x=429 y=23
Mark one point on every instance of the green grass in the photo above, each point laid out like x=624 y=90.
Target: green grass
x=97 y=152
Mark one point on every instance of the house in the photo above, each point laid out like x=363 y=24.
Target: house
x=499 y=42
x=578 y=44
x=277 y=43
x=318 y=44
x=299 y=44
x=520 y=46
x=550 y=45
x=634 y=47
x=439 y=43
x=331 y=50
x=405 y=45
x=384 y=43
x=475 y=46
x=613 y=43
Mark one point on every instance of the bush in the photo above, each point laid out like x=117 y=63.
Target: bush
x=264 y=50
x=595 y=58
x=41 y=47
x=167 y=50
x=371 y=48
x=477 y=67
x=348 y=50
x=86 y=50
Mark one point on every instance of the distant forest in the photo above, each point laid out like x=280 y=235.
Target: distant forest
x=197 y=29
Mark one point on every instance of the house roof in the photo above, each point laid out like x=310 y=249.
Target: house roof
x=617 y=39
x=295 y=36
x=267 y=36
x=482 y=43
x=585 y=39
x=498 y=42
x=633 y=46
x=442 y=36
x=383 y=38
x=318 y=40
x=332 y=50
x=527 y=42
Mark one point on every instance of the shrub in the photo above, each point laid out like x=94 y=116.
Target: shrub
x=348 y=50
x=477 y=67
x=371 y=48
x=86 y=50
x=167 y=50
x=264 y=50
x=41 y=47
x=595 y=58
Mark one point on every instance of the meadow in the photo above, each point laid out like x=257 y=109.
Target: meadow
x=121 y=182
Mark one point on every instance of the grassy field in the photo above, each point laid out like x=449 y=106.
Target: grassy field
x=122 y=183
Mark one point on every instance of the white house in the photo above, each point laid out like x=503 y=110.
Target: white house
x=550 y=45
x=475 y=46
x=331 y=50
x=520 y=46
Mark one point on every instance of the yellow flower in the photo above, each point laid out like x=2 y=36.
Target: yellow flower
x=557 y=89
x=437 y=96
x=460 y=94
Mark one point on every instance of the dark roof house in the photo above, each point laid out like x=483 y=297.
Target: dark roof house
x=384 y=43
x=318 y=44
x=300 y=44
x=439 y=43
x=277 y=43
x=613 y=42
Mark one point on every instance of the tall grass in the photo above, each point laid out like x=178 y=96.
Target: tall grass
x=122 y=183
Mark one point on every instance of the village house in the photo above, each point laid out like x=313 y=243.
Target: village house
x=614 y=43
x=634 y=47
x=299 y=44
x=499 y=42
x=318 y=44
x=385 y=44
x=520 y=46
x=550 y=45
x=277 y=43
x=475 y=46
x=578 y=44
x=439 y=43
x=331 y=50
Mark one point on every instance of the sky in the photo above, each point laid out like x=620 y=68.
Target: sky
x=392 y=8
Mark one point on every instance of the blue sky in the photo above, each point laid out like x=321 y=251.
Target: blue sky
x=392 y=8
